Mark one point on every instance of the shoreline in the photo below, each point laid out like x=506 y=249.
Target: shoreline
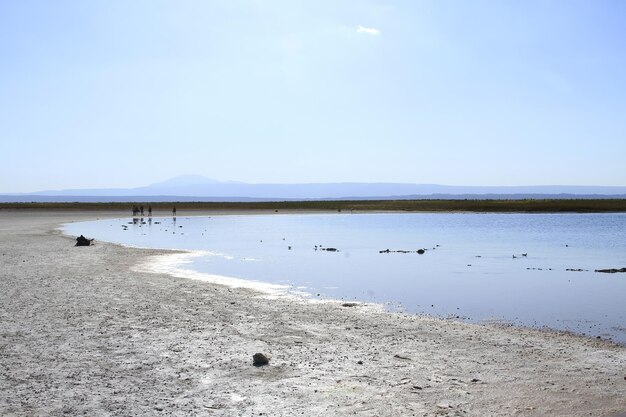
x=116 y=340
x=172 y=263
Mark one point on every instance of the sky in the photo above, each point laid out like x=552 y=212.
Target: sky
x=121 y=93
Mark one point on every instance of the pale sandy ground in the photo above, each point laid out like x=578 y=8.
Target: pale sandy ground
x=83 y=333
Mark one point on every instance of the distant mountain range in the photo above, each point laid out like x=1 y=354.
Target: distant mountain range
x=198 y=188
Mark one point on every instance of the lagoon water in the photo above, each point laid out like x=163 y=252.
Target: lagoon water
x=473 y=267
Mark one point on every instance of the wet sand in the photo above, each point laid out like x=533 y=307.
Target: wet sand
x=86 y=330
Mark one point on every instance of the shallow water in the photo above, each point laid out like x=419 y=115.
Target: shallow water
x=468 y=269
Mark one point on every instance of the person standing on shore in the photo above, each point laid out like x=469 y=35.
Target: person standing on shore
x=174 y=212
x=149 y=211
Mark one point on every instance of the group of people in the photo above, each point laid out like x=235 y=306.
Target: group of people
x=139 y=210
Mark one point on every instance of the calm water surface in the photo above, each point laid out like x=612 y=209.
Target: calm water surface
x=468 y=269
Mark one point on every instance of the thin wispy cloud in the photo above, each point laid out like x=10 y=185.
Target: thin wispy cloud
x=370 y=31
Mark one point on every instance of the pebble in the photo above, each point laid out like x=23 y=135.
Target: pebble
x=259 y=359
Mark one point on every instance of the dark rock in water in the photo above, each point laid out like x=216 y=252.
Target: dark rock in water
x=420 y=251
x=83 y=241
x=611 y=270
x=349 y=305
x=259 y=359
x=331 y=249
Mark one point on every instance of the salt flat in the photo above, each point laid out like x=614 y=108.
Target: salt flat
x=84 y=331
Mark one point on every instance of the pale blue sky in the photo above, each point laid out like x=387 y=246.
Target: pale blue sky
x=126 y=93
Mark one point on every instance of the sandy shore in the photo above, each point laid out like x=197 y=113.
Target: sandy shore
x=83 y=331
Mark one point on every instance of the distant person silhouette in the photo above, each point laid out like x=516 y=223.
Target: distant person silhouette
x=141 y=209
x=150 y=211
x=174 y=212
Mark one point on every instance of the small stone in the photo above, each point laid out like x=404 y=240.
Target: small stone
x=349 y=304
x=259 y=359
x=402 y=357
x=360 y=362
x=475 y=380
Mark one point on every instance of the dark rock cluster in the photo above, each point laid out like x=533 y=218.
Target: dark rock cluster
x=611 y=270
x=83 y=241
